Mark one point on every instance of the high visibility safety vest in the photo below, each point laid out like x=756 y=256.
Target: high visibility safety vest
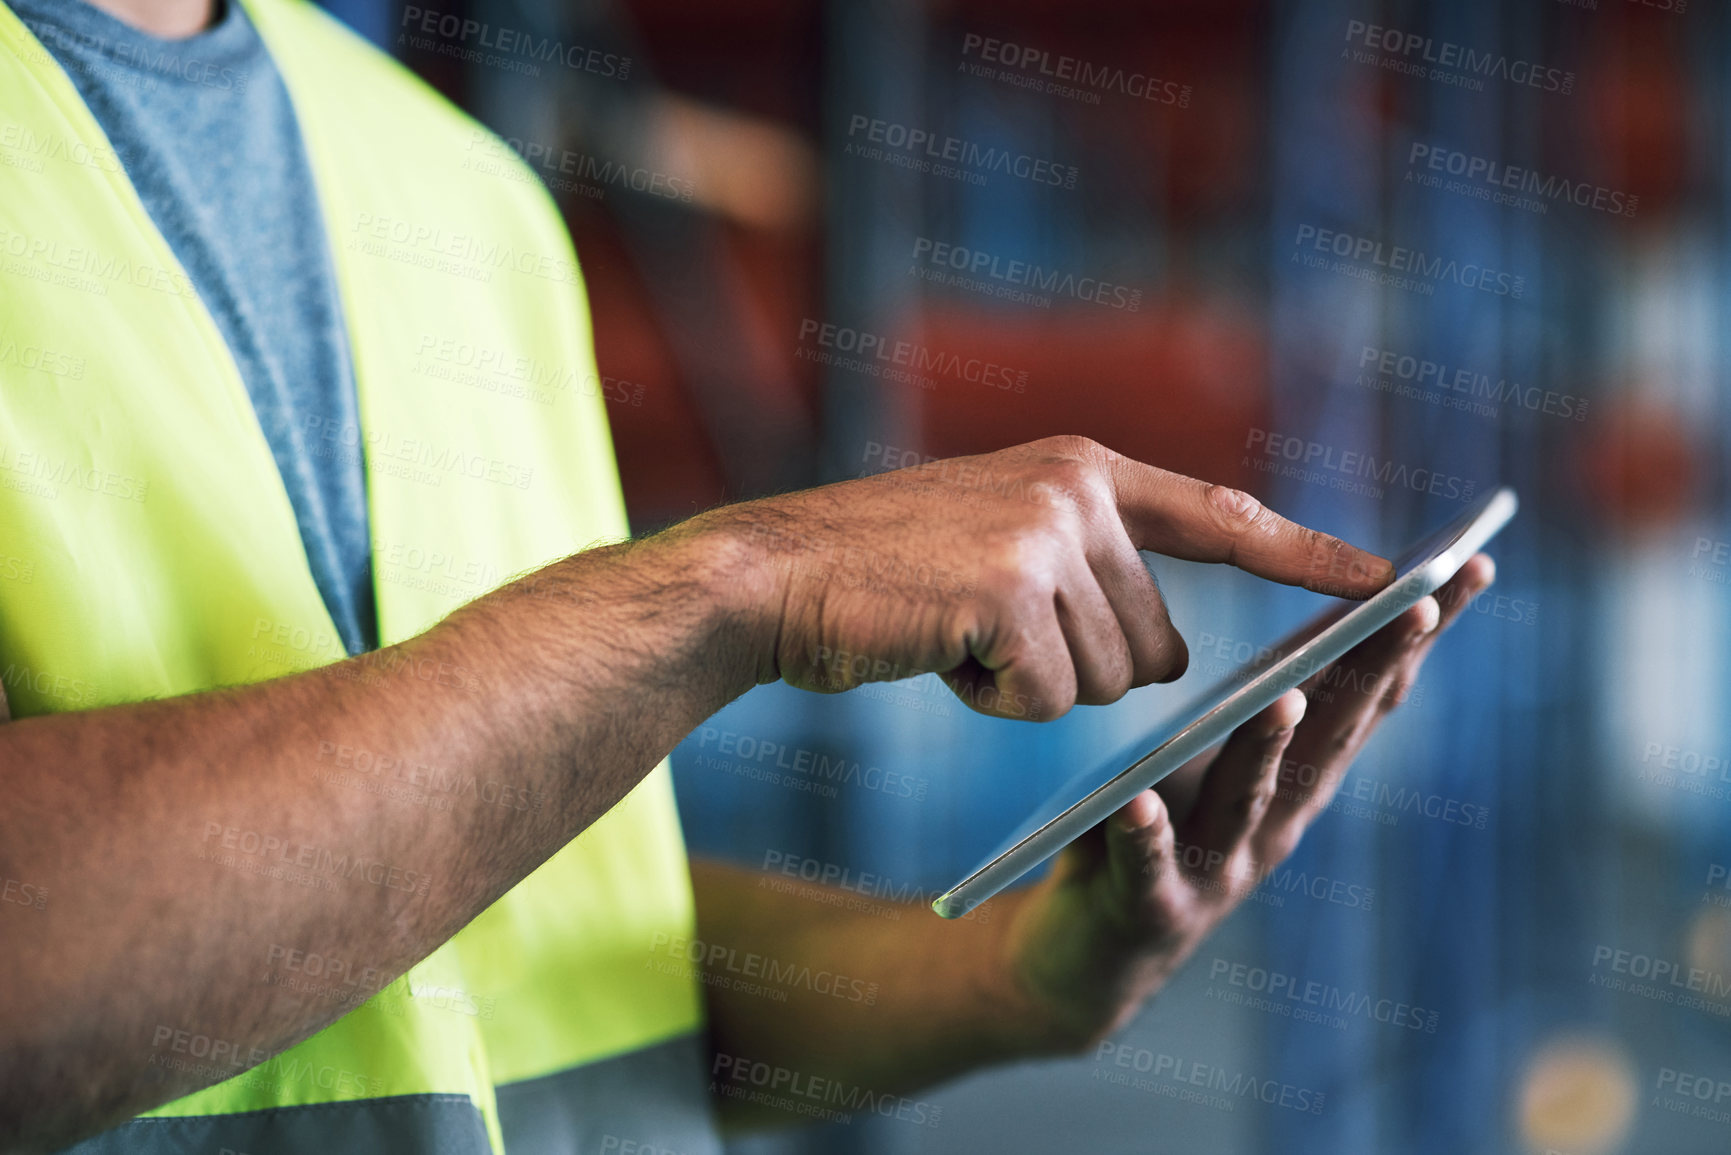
x=148 y=548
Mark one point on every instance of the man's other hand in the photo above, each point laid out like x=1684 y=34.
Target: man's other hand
x=1127 y=904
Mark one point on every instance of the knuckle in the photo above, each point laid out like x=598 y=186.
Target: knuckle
x=1073 y=470
x=1171 y=658
x=1062 y=523
x=1236 y=509
x=1054 y=684
x=1115 y=678
x=1057 y=704
x=1096 y=498
x=1073 y=445
x=1072 y=482
x=1001 y=552
x=1018 y=565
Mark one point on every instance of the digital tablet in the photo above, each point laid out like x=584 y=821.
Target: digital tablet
x=1089 y=798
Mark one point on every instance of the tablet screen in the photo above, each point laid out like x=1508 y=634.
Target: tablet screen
x=1208 y=718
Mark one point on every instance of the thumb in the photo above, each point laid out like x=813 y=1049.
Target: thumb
x=1141 y=855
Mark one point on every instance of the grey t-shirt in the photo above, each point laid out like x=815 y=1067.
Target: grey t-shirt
x=205 y=130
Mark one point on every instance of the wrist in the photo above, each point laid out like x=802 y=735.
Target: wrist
x=731 y=557
x=1020 y=1021
x=1071 y=984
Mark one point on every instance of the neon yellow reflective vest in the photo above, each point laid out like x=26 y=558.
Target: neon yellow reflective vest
x=148 y=548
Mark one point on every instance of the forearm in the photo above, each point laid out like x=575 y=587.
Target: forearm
x=884 y=1001
x=156 y=828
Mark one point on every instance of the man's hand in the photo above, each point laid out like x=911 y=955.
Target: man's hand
x=1014 y=575
x=1125 y=906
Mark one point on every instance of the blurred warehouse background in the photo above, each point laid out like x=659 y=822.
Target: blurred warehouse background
x=1469 y=242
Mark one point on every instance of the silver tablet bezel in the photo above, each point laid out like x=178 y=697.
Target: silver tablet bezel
x=1471 y=530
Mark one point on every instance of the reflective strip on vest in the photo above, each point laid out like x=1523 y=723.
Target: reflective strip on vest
x=655 y=1098
x=648 y=1100
x=148 y=549
x=406 y=1125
